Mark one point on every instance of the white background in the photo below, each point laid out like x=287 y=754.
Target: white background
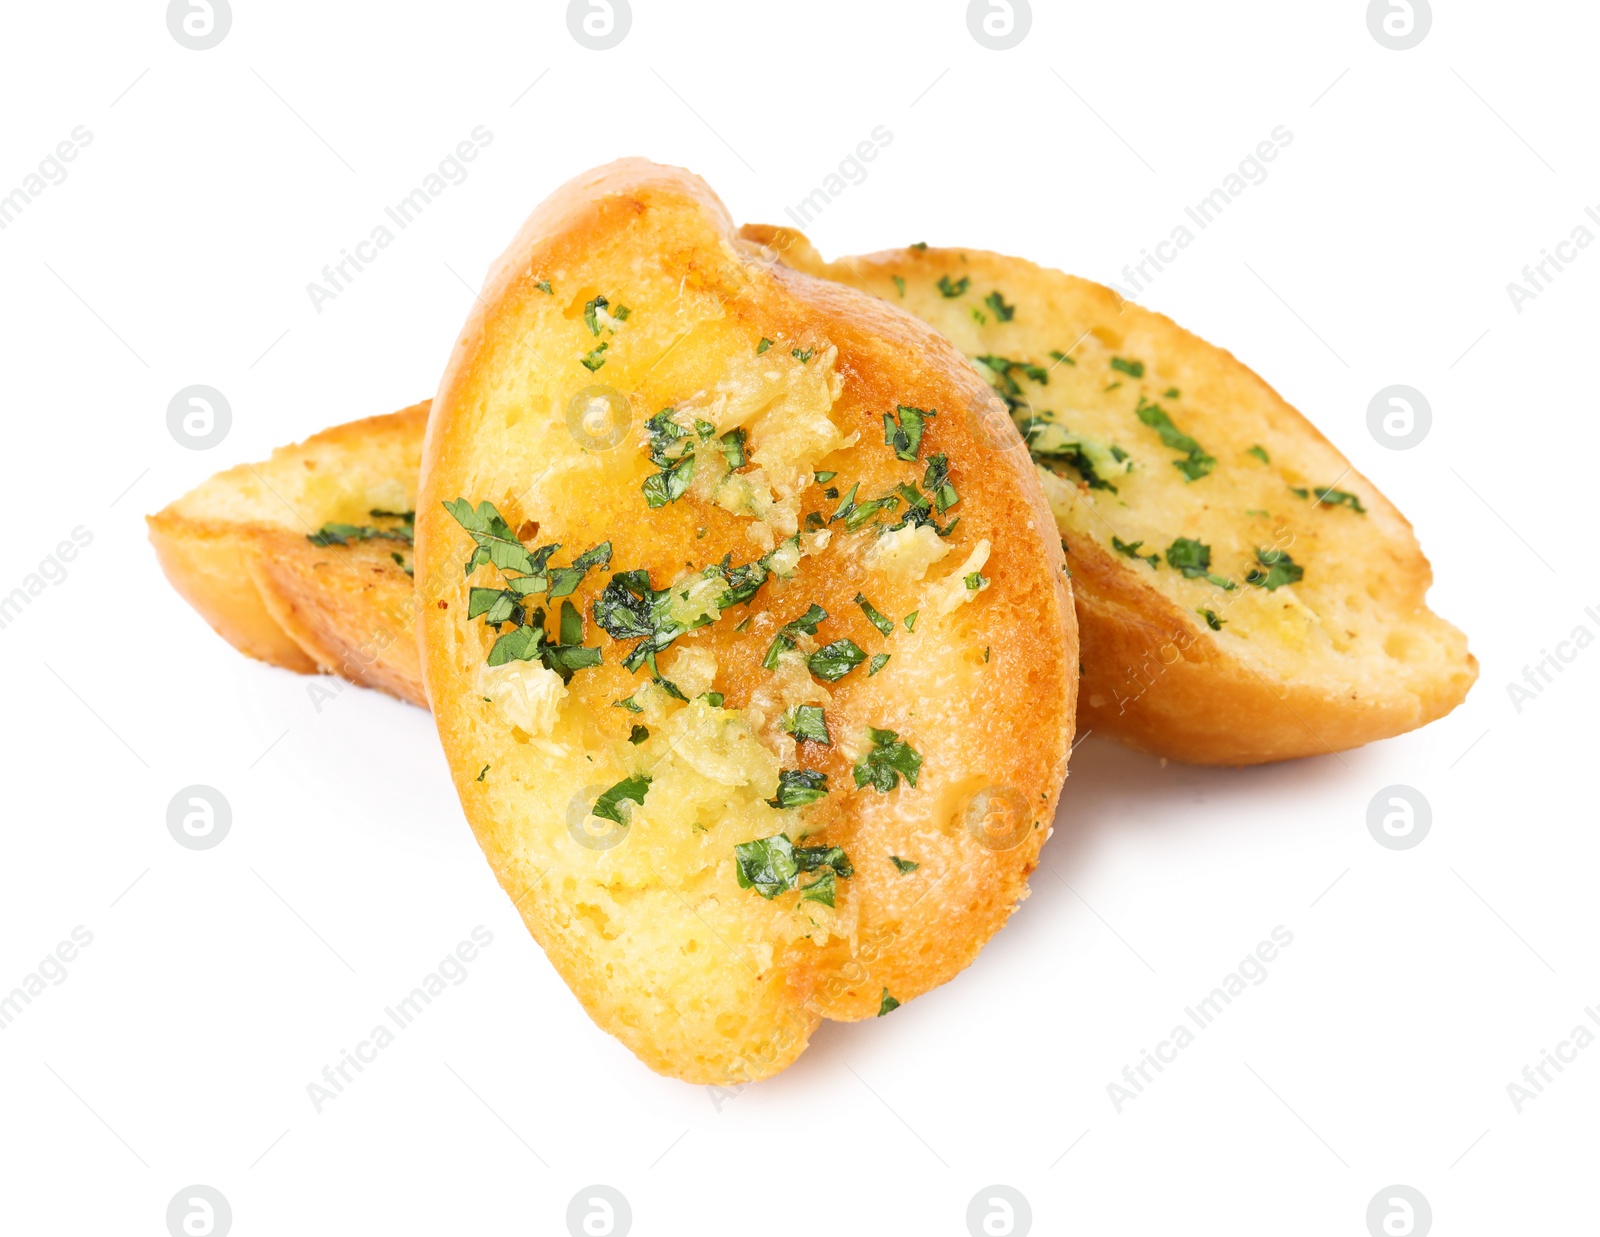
x=219 y=983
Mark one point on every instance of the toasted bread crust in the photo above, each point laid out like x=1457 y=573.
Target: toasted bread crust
x=666 y=965
x=1155 y=677
x=236 y=549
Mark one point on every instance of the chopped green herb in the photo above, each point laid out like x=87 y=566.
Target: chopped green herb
x=589 y=319
x=714 y=699
x=609 y=805
x=1197 y=463
x=833 y=661
x=910 y=620
x=889 y=758
x=1112 y=386
x=784 y=640
x=630 y=609
x=629 y=703
x=481 y=772
x=733 y=449
x=400 y=562
x=974 y=581
x=824 y=477
x=905 y=866
x=1332 y=497
x=1193 y=558
x=638 y=735
x=596 y=358
x=544 y=286
x=888 y=1004
x=879 y=661
x=1210 y=616
x=1050 y=442
x=1260 y=453
x=671 y=688
x=900 y=285
x=344 y=534
x=1131 y=549
x=798 y=787
x=802 y=356
x=936 y=482
x=1061 y=358
x=855 y=515
x=672 y=449
x=1134 y=369
x=953 y=290
x=1280 y=570
x=986 y=654
x=773 y=865
x=905 y=434
x=997 y=305
x=1007 y=387
x=874 y=616
x=564 y=581
x=919 y=245
x=807 y=722
x=497 y=544
x=763 y=345
x=1170 y=393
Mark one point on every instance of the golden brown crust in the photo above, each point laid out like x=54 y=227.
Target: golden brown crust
x=1155 y=676
x=702 y=979
x=235 y=549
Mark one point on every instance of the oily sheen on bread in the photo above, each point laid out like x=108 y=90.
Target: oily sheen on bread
x=1243 y=594
x=754 y=666
x=304 y=560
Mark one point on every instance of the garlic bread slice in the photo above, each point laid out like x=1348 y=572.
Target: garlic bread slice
x=754 y=666
x=304 y=560
x=1243 y=594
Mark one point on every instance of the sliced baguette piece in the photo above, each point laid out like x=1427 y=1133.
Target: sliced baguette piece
x=641 y=843
x=243 y=549
x=1144 y=435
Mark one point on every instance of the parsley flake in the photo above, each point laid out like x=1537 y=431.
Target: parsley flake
x=609 y=805
x=1280 y=570
x=889 y=758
